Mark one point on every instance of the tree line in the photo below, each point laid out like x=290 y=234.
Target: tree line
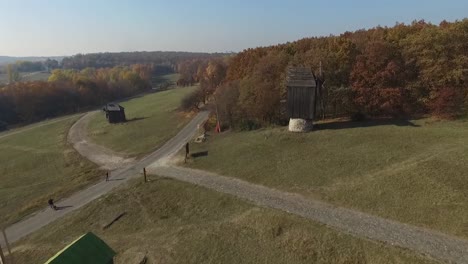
x=399 y=71
x=165 y=60
x=69 y=91
x=30 y=66
x=82 y=81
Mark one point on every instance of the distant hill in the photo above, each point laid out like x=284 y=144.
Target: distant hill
x=8 y=59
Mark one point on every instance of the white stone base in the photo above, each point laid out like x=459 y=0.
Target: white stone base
x=300 y=125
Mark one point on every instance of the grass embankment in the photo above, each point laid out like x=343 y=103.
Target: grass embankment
x=175 y=222
x=152 y=120
x=414 y=174
x=36 y=163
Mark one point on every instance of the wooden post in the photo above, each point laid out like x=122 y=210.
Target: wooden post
x=144 y=173
x=107 y=176
x=2 y=257
x=8 y=246
x=187 y=151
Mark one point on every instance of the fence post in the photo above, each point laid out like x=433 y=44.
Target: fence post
x=2 y=257
x=144 y=173
x=107 y=176
x=8 y=246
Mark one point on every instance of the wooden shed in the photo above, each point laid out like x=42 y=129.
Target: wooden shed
x=115 y=113
x=302 y=88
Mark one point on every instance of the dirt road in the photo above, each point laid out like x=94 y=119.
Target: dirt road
x=118 y=177
x=104 y=157
x=427 y=242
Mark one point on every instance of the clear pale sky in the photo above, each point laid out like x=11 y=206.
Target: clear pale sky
x=66 y=27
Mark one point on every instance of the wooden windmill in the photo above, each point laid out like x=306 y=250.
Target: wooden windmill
x=304 y=90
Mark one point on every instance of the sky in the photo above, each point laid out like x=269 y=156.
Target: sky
x=68 y=27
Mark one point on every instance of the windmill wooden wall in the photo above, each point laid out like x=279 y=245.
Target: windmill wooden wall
x=302 y=92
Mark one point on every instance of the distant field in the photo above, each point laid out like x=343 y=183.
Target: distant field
x=26 y=77
x=153 y=119
x=174 y=222
x=414 y=173
x=36 y=164
x=168 y=79
x=36 y=76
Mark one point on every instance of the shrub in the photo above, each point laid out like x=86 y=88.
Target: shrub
x=447 y=103
x=358 y=117
x=192 y=100
x=3 y=126
x=248 y=125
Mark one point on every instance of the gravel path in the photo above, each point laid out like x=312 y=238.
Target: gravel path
x=431 y=243
x=118 y=177
x=104 y=157
x=427 y=242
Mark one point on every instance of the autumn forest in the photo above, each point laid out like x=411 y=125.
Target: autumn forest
x=394 y=72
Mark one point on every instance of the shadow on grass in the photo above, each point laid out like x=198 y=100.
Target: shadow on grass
x=136 y=119
x=156 y=178
x=199 y=154
x=370 y=123
x=59 y=208
x=121 y=179
x=114 y=220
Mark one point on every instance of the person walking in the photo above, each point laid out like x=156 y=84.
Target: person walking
x=51 y=204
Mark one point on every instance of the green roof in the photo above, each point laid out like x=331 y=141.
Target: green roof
x=88 y=249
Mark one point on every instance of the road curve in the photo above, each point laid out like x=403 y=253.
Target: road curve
x=103 y=157
x=428 y=242
x=117 y=178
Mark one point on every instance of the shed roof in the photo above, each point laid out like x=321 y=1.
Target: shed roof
x=300 y=77
x=113 y=107
x=88 y=249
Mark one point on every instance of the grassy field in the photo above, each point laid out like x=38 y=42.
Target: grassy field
x=168 y=79
x=153 y=119
x=37 y=164
x=412 y=172
x=174 y=222
x=26 y=77
x=36 y=76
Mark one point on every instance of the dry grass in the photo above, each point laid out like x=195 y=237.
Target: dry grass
x=153 y=119
x=37 y=164
x=174 y=222
x=414 y=173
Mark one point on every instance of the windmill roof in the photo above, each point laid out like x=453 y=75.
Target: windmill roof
x=300 y=77
x=113 y=107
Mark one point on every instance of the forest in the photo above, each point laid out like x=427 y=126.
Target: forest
x=407 y=70
x=82 y=81
x=69 y=91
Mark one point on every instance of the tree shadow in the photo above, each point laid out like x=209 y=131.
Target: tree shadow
x=136 y=119
x=114 y=220
x=368 y=123
x=199 y=154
